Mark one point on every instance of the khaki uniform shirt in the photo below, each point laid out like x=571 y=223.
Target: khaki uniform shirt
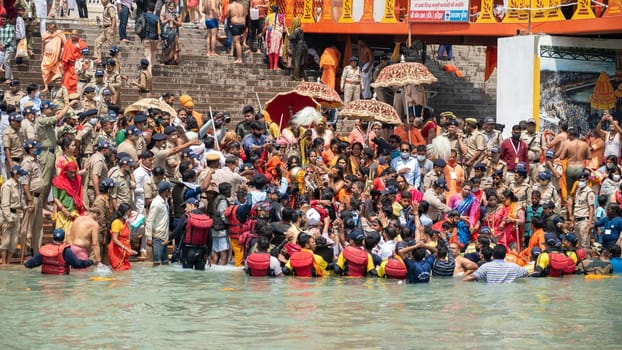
x=493 y=138
x=86 y=136
x=351 y=76
x=535 y=145
x=102 y=202
x=475 y=143
x=123 y=192
x=33 y=179
x=13 y=140
x=60 y=97
x=28 y=129
x=428 y=180
x=12 y=200
x=97 y=166
x=583 y=199
x=46 y=133
x=84 y=69
x=110 y=13
x=128 y=147
x=151 y=189
x=522 y=191
x=12 y=99
x=103 y=136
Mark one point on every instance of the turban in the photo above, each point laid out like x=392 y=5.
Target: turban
x=186 y=101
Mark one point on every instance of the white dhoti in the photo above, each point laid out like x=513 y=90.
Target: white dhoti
x=366 y=72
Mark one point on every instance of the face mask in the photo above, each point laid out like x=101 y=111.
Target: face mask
x=452 y=162
x=420 y=158
x=515 y=137
x=616 y=177
x=38 y=152
x=582 y=184
x=125 y=217
x=610 y=165
x=93 y=121
x=405 y=155
x=475 y=189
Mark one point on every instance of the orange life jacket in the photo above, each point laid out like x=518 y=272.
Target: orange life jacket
x=395 y=268
x=197 y=229
x=53 y=261
x=356 y=260
x=560 y=264
x=302 y=263
x=233 y=224
x=514 y=258
x=258 y=265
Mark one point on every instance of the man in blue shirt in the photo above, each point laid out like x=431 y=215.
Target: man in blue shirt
x=420 y=265
x=610 y=225
x=407 y=165
x=255 y=141
x=32 y=95
x=615 y=260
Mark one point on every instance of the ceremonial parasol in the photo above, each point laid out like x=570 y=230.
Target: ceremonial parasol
x=283 y=106
x=371 y=110
x=603 y=96
x=144 y=104
x=322 y=93
x=403 y=74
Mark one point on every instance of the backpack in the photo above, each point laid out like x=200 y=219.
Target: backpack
x=234 y=225
x=197 y=229
x=140 y=27
x=248 y=234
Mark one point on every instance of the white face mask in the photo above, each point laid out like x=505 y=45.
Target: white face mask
x=125 y=217
x=420 y=158
x=616 y=177
x=582 y=184
x=405 y=155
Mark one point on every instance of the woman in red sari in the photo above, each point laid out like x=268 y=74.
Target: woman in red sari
x=67 y=192
x=119 y=248
x=510 y=219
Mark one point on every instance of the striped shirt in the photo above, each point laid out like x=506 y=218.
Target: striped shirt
x=499 y=271
x=444 y=268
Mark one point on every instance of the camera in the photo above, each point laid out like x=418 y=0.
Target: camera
x=226 y=118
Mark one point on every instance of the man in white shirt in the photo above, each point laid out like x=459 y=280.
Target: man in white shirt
x=407 y=165
x=156 y=225
x=141 y=175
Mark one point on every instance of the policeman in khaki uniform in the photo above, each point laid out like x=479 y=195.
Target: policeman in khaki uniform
x=33 y=190
x=102 y=202
x=109 y=21
x=28 y=124
x=15 y=94
x=535 y=146
x=96 y=171
x=121 y=174
x=85 y=138
x=351 y=81
x=521 y=187
x=85 y=68
x=581 y=209
x=107 y=128
x=12 y=207
x=473 y=146
x=13 y=140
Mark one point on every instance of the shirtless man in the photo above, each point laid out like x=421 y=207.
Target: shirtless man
x=559 y=139
x=84 y=236
x=464 y=266
x=366 y=62
x=211 y=11
x=237 y=18
x=576 y=153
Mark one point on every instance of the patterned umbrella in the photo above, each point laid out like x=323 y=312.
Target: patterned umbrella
x=322 y=93
x=603 y=96
x=371 y=110
x=144 y=104
x=404 y=73
x=283 y=106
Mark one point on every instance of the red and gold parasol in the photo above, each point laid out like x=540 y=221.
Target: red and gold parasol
x=371 y=110
x=322 y=93
x=404 y=73
x=286 y=104
x=603 y=97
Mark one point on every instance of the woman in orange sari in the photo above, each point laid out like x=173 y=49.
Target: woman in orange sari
x=119 y=248
x=511 y=221
x=52 y=41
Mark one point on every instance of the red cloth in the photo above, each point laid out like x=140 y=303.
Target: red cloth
x=119 y=258
x=491 y=61
x=72 y=187
x=71 y=53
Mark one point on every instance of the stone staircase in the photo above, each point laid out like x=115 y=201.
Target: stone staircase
x=213 y=81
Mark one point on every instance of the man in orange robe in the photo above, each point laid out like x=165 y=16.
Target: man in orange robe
x=72 y=51
x=53 y=41
x=329 y=62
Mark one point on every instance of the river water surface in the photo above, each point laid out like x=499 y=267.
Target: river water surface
x=171 y=308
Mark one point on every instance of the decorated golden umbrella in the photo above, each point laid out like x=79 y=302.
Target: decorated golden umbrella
x=371 y=110
x=404 y=73
x=146 y=103
x=322 y=93
x=603 y=96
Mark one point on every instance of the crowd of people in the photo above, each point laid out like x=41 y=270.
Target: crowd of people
x=439 y=195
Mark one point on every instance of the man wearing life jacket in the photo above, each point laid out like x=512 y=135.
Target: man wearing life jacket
x=305 y=263
x=553 y=262
x=569 y=246
x=261 y=263
x=56 y=257
x=393 y=267
x=354 y=260
x=193 y=233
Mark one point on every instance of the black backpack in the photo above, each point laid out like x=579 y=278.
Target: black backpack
x=140 y=27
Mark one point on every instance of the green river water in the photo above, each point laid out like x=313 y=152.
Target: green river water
x=222 y=308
